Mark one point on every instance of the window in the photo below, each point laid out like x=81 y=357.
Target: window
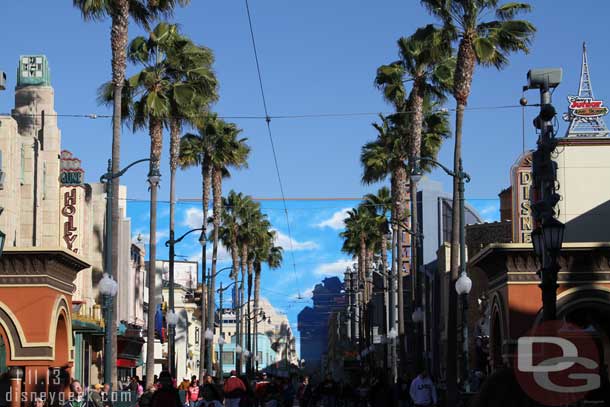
x=228 y=358
x=196 y=336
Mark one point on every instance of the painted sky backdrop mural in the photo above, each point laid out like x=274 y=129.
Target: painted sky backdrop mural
x=316 y=245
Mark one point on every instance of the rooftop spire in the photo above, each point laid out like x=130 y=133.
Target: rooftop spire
x=584 y=112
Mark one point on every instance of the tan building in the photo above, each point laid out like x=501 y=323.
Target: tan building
x=47 y=204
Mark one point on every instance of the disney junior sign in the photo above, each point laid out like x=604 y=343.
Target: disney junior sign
x=557 y=363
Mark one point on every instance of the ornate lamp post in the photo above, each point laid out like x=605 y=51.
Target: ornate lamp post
x=108 y=245
x=463 y=285
x=171 y=243
x=462 y=177
x=108 y=288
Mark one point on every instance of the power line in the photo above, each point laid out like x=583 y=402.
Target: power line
x=293 y=116
x=268 y=121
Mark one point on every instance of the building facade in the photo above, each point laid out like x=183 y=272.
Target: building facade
x=505 y=273
x=48 y=205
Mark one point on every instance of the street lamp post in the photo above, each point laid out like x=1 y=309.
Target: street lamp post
x=462 y=177
x=211 y=312
x=547 y=237
x=221 y=340
x=171 y=243
x=107 y=179
x=108 y=289
x=463 y=285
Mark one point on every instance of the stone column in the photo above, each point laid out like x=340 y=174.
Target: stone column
x=16 y=376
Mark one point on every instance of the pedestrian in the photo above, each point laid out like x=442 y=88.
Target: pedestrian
x=210 y=394
x=38 y=402
x=96 y=396
x=304 y=392
x=401 y=392
x=261 y=389
x=192 y=394
x=380 y=394
x=328 y=391
x=77 y=397
x=166 y=395
x=145 y=400
x=423 y=391
x=234 y=389
x=106 y=395
x=184 y=384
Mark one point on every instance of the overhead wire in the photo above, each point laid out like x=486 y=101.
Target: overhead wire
x=269 y=117
x=275 y=160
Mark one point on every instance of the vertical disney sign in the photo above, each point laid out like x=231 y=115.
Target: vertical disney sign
x=71 y=178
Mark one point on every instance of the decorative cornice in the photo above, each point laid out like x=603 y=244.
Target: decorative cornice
x=56 y=268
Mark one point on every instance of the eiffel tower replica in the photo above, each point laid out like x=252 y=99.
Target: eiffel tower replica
x=585 y=114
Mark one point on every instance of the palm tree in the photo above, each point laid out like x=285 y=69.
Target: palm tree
x=200 y=90
x=484 y=42
x=387 y=156
x=119 y=11
x=228 y=151
x=381 y=204
x=195 y=150
x=159 y=91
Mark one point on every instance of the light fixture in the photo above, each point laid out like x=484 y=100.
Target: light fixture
x=238 y=349
x=208 y=334
x=552 y=231
x=538 y=243
x=202 y=239
x=418 y=315
x=416 y=173
x=221 y=340
x=246 y=353
x=392 y=334
x=172 y=318
x=463 y=285
x=107 y=285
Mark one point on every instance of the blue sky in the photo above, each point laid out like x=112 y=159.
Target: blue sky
x=316 y=57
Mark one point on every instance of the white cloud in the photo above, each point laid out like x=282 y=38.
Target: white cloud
x=193 y=218
x=336 y=221
x=336 y=268
x=287 y=243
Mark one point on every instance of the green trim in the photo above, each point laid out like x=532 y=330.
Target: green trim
x=84 y=326
x=78 y=356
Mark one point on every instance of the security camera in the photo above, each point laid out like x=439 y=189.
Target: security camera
x=544 y=78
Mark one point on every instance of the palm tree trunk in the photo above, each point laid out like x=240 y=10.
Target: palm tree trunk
x=156 y=140
x=119 y=35
x=257 y=296
x=249 y=316
x=401 y=181
x=462 y=84
x=206 y=177
x=217 y=190
x=243 y=267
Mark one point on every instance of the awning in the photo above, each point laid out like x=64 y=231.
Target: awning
x=125 y=363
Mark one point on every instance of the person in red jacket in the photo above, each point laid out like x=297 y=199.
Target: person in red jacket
x=234 y=389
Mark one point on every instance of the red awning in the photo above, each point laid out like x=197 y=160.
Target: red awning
x=125 y=363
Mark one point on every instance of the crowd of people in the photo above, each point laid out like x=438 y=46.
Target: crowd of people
x=369 y=391
x=261 y=391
